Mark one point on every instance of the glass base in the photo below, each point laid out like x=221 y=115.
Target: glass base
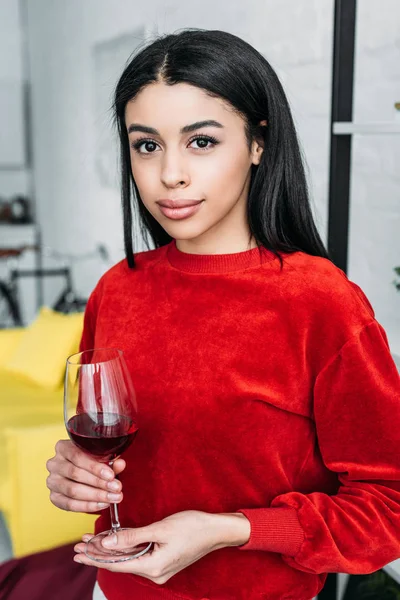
x=96 y=551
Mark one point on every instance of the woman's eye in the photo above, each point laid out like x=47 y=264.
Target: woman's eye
x=204 y=141
x=149 y=146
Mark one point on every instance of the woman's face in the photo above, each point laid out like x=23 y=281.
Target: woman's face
x=175 y=160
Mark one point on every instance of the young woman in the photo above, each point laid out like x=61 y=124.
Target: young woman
x=269 y=447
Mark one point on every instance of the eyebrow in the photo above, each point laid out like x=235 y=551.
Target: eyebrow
x=187 y=129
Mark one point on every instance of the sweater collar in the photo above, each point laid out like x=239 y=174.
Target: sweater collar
x=217 y=263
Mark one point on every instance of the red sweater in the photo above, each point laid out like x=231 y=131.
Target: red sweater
x=263 y=391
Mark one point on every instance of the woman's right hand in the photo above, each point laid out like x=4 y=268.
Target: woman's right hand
x=80 y=483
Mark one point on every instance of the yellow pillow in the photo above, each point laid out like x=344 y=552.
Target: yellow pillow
x=44 y=347
x=9 y=340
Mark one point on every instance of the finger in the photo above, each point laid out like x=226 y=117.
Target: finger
x=135 y=566
x=130 y=537
x=81 y=545
x=74 y=505
x=70 y=471
x=70 y=452
x=119 y=465
x=84 y=560
x=80 y=491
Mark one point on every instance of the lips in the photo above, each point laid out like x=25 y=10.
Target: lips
x=181 y=210
x=178 y=203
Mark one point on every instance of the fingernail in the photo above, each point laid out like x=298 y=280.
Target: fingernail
x=106 y=474
x=102 y=505
x=114 y=497
x=110 y=540
x=76 y=559
x=113 y=485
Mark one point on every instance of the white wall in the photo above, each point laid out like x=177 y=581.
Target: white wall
x=75 y=211
x=13 y=179
x=375 y=192
x=10 y=39
x=296 y=37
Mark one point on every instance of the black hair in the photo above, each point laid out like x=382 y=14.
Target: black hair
x=225 y=66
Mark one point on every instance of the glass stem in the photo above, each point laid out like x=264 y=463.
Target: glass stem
x=115 y=524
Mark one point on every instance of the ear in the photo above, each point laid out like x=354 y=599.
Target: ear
x=258 y=145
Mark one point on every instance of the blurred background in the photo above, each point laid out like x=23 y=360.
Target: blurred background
x=60 y=217
x=58 y=66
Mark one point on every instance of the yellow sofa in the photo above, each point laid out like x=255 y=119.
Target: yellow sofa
x=32 y=363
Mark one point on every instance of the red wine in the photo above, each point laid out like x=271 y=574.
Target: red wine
x=107 y=436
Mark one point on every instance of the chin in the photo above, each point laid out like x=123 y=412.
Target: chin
x=184 y=231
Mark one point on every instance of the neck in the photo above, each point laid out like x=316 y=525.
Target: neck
x=217 y=246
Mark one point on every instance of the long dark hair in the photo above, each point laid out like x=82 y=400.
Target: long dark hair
x=225 y=66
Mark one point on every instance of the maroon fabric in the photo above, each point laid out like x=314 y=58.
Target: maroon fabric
x=46 y=576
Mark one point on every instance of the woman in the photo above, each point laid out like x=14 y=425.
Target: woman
x=269 y=447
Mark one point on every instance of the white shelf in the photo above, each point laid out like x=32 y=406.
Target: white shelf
x=376 y=128
x=14 y=226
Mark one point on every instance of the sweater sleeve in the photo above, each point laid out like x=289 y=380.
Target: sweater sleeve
x=357 y=420
x=88 y=333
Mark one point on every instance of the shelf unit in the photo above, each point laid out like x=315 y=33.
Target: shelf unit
x=15 y=235
x=342 y=130
x=372 y=128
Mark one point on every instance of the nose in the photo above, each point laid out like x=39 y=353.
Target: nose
x=174 y=172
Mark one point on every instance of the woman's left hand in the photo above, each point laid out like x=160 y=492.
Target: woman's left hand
x=178 y=541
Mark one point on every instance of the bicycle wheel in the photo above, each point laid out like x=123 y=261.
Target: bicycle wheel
x=10 y=315
x=69 y=303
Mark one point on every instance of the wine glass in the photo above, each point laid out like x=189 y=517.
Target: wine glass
x=101 y=417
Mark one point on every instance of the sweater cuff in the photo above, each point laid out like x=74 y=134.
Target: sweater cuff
x=273 y=530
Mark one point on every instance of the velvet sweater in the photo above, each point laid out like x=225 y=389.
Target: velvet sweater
x=263 y=390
